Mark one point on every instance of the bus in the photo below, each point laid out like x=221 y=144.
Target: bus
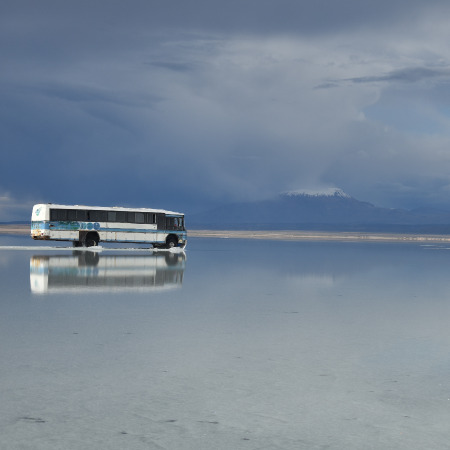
x=87 y=226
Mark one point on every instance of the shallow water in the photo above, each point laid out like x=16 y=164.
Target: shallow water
x=237 y=345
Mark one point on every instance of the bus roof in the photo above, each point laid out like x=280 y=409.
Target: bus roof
x=111 y=208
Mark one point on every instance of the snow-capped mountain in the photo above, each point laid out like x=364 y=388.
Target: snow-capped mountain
x=324 y=209
x=328 y=192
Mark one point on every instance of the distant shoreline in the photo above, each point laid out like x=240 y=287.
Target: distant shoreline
x=15 y=229
x=283 y=235
x=319 y=236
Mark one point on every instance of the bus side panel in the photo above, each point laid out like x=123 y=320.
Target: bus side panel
x=108 y=236
x=63 y=235
x=143 y=237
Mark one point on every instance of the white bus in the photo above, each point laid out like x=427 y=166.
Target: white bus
x=86 y=226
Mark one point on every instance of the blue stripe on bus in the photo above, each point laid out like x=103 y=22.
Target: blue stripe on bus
x=143 y=241
x=68 y=227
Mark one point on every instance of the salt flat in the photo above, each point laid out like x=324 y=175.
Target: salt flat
x=286 y=235
x=264 y=344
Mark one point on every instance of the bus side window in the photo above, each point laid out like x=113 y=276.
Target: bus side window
x=121 y=216
x=150 y=218
x=112 y=216
x=97 y=216
x=139 y=217
x=130 y=217
x=58 y=214
x=170 y=223
x=71 y=214
x=77 y=214
x=82 y=215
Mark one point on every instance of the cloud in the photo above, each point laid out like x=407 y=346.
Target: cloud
x=174 y=65
x=14 y=209
x=408 y=75
x=186 y=104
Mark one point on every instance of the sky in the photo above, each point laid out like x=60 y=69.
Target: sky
x=187 y=105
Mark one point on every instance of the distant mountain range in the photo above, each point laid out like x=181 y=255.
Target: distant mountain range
x=331 y=209
x=16 y=222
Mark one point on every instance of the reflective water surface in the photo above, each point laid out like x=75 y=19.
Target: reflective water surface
x=87 y=271
x=237 y=345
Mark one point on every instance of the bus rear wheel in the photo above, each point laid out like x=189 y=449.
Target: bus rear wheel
x=91 y=240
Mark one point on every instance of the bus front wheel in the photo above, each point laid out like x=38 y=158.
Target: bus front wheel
x=171 y=242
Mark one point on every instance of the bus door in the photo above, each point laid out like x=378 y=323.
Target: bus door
x=160 y=221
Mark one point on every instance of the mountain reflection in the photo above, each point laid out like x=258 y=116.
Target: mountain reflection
x=85 y=271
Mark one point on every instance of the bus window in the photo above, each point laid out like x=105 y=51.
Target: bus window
x=97 y=216
x=139 y=217
x=82 y=215
x=175 y=223
x=58 y=214
x=77 y=214
x=71 y=214
x=150 y=218
x=121 y=216
x=171 y=223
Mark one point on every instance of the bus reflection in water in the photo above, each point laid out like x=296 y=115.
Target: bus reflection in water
x=92 y=272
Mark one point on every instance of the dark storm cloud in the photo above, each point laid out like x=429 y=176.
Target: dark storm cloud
x=188 y=103
x=249 y=16
x=408 y=75
x=176 y=66
x=87 y=94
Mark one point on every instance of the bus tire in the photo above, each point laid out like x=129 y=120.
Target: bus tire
x=91 y=240
x=171 y=241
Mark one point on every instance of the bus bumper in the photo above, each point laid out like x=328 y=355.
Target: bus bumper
x=39 y=234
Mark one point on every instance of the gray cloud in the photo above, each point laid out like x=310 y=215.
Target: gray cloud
x=404 y=75
x=191 y=103
x=87 y=94
x=253 y=16
x=408 y=75
x=175 y=66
